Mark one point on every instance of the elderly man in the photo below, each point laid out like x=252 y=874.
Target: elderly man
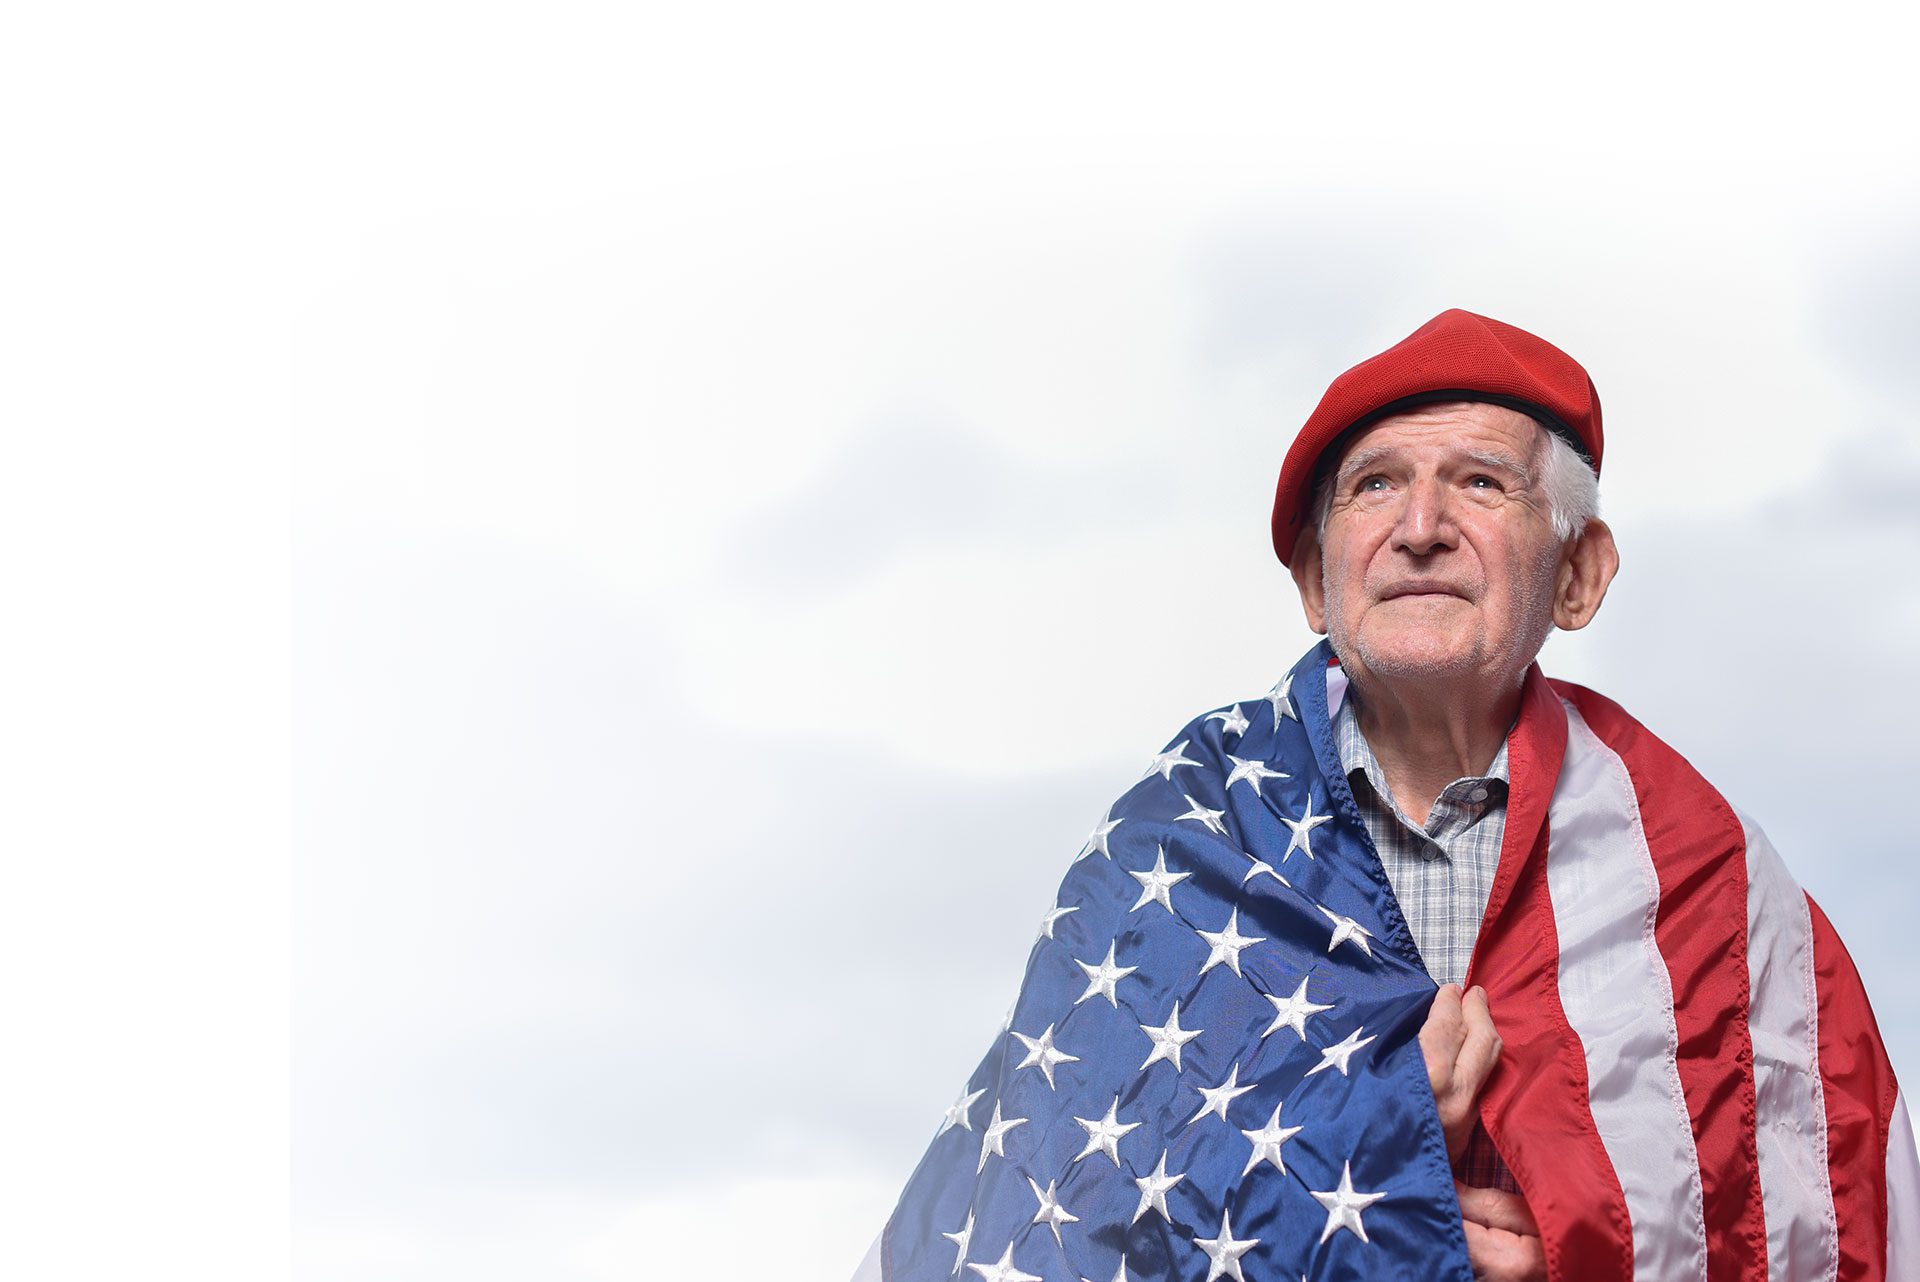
x=1229 y=1056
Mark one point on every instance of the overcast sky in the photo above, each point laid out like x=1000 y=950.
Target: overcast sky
x=764 y=481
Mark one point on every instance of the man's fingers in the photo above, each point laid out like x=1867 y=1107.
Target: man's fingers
x=1494 y=1209
x=1442 y=1036
x=1499 y=1256
x=1480 y=1044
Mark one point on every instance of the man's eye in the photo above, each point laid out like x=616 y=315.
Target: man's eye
x=1484 y=482
x=1371 y=483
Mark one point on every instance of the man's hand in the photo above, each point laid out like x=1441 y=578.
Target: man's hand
x=1503 y=1243
x=1461 y=1049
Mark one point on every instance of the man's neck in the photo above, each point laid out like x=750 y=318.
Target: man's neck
x=1424 y=739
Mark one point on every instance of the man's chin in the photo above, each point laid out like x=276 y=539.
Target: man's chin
x=1417 y=655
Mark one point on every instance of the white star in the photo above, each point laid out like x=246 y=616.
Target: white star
x=1003 y=1270
x=1165 y=763
x=1224 y=1253
x=1155 y=885
x=1303 y=830
x=1267 y=1141
x=1344 y=1206
x=1120 y=1275
x=1281 y=697
x=1051 y=1213
x=960 y=1242
x=1055 y=914
x=1232 y=720
x=1102 y=978
x=1041 y=1052
x=1252 y=772
x=1227 y=944
x=1168 y=1038
x=1337 y=1055
x=1104 y=1134
x=1291 y=1012
x=1097 y=842
x=1153 y=1190
x=1211 y=818
x=1345 y=928
x=1262 y=866
x=1218 y=1097
x=994 y=1139
x=957 y=1115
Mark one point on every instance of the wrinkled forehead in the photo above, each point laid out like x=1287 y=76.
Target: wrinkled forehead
x=1474 y=429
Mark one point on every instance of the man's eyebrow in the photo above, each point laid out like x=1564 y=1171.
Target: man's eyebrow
x=1361 y=459
x=1502 y=462
x=1367 y=457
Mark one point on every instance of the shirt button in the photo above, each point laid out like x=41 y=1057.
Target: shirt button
x=1478 y=794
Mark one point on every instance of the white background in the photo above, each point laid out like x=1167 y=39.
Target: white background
x=706 y=509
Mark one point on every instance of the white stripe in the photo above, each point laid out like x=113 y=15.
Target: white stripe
x=1618 y=998
x=1790 y=1110
x=1336 y=689
x=1903 y=1195
x=869 y=1270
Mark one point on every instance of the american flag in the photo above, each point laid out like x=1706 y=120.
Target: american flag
x=1211 y=1068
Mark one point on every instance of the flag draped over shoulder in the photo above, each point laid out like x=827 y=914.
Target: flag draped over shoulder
x=1211 y=1068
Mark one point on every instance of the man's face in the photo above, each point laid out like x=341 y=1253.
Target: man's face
x=1439 y=559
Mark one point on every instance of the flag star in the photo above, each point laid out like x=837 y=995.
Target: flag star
x=1102 y=978
x=1051 y=1213
x=1302 y=827
x=1233 y=721
x=1218 y=1097
x=959 y=1241
x=1168 y=1038
x=1165 y=763
x=1227 y=944
x=1345 y=928
x=1267 y=1141
x=1055 y=914
x=1097 y=842
x=994 y=1139
x=1154 y=885
x=1262 y=866
x=1104 y=1134
x=1291 y=1012
x=1042 y=1053
x=1211 y=818
x=1337 y=1055
x=1252 y=772
x=1120 y=1274
x=1224 y=1253
x=1281 y=697
x=1344 y=1206
x=1002 y=1270
x=1153 y=1190
x=957 y=1115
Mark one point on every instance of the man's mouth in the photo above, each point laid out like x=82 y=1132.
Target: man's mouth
x=1422 y=588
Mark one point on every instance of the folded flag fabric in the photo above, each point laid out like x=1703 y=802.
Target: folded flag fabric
x=1211 y=1068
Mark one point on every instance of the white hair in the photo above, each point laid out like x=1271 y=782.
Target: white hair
x=1571 y=487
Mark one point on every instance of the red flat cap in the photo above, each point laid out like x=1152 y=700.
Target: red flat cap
x=1456 y=356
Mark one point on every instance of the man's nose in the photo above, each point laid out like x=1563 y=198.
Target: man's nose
x=1426 y=520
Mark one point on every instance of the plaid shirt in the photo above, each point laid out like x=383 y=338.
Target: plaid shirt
x=1441 y=873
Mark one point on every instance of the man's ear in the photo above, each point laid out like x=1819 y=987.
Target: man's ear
x=1591 y=563
x=1306 y=577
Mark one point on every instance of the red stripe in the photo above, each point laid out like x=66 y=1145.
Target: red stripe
x=1860 y=1090
x=1553 y=1149
x=1699 y=854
